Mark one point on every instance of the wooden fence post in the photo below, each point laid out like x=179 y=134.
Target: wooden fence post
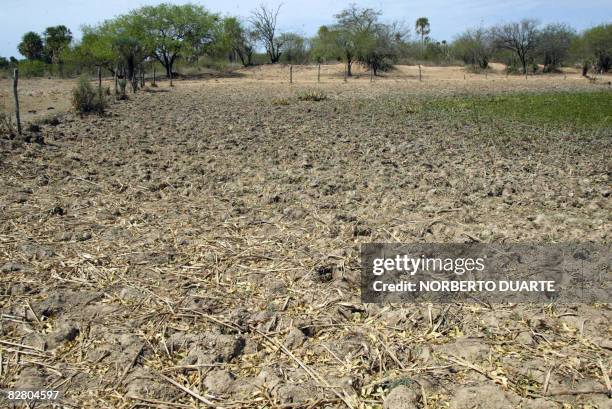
x=290 y=74
x=116 y=80
x=420 y=77
x=371 y=74
x=15 y=81
x=345 y=71
x=171 y=79
x=319 y=73
x=99 y=80
x=153 y=74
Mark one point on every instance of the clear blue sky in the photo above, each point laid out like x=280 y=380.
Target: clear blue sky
x=447 y=17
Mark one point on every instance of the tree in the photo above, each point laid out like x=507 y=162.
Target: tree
x=57 y=39
x=294 y=48
x=96 y=46
x=598 y=44
x=31 y=46
x=131 y=53
x=169 y=32
x=4 y=63
x=353 y=32
x=237 y=39
x=115 y=44
x=473 y=48
x=325 y=46
x=553 y=45
x=520 y=38
x=423 y=29
x=264 y=20
x=380 y=49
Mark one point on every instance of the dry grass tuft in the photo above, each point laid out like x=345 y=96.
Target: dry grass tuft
x=311 y=95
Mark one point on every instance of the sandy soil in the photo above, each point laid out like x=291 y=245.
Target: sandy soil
x=198 y=245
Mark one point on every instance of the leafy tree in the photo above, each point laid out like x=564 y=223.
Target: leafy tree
x=169 y=32
x=520 y=38
x=115 y=45
x=264 y=21
x=380 y=49
x=325 y=45
x=57 y=39
x=359 y=36
x=473 y=47
x=96 y=47
x=31 y=46
x=598 y=44
x=354 y=32
x=294 y=48
x=4 y=63
x=237 y=39
x=553 y=45
x=423 y=29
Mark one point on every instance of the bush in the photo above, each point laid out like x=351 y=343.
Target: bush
x=32 y=68
x=311 y=95
x=86 y=99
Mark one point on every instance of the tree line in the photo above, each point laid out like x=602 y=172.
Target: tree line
x=168 y=33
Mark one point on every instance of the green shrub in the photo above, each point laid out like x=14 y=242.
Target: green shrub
x=311 y=95
x=86 y=99
x=32 y=68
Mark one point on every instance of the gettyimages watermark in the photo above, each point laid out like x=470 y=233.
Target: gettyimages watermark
x=489 y=273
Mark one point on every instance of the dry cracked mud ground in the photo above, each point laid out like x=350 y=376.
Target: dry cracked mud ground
x=199 y=246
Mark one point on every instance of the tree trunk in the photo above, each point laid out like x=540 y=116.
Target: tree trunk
x=349 y=65
x=523 y=59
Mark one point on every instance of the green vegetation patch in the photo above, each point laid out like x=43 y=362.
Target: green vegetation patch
x=568 y=109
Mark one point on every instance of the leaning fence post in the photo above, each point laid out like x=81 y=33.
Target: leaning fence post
x=291 y=74
x=15 y=81
x=319 y=73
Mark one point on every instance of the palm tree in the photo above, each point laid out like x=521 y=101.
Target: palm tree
x=422 y=29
